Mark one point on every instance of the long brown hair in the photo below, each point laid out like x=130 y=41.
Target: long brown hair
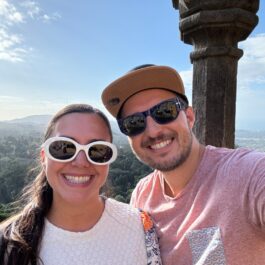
x=22 y=232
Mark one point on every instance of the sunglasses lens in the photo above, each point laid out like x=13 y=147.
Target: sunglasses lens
x=162 y=113
x=165 y=112
x=133 y=125
x=100 y=153
x=62 y=150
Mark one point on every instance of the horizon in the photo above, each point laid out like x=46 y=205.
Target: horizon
x=111 y=120
x=57 y=53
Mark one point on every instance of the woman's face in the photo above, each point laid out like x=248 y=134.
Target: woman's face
x=77 y=182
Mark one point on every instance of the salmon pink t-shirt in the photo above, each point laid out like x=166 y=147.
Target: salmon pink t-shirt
x=218 y=218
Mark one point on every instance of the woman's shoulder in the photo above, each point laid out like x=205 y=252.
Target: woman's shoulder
x=121 y=209
x=123 y=214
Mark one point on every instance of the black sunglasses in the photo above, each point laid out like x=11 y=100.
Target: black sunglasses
x=164 y=112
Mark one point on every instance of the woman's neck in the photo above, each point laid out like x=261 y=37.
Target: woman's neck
x=76 y=218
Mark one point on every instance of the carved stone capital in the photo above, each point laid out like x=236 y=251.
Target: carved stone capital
x=201 y=53
x=209 y=27
x=187 y=7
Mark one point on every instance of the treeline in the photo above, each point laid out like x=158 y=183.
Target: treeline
x=124 y=174
x=19 y=154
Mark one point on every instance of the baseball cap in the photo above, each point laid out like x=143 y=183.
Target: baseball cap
x=153 y=76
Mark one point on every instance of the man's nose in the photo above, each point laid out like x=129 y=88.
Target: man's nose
x=152 y=127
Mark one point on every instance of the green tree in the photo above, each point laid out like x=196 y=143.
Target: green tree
x=124 y=174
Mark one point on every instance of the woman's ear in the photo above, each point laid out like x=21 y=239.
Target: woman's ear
x=42 y=157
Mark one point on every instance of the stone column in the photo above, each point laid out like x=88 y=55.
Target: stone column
x=214 y=28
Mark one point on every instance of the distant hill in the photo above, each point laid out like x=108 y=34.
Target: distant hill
x=36 y=124
x=33 y=119
x=29 y=125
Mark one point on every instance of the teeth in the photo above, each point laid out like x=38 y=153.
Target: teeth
x=78 y=179
x=160 y=145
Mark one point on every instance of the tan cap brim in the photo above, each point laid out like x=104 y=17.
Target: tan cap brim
x=163 y=77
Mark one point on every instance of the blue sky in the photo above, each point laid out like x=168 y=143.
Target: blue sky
x=56 y=52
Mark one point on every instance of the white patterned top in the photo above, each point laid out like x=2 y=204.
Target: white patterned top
x=117 y=238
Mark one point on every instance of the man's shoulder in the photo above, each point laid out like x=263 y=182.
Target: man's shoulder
x=143 y=188
x=239 y=162
x=238 y=154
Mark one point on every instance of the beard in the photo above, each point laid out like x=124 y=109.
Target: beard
x=180 y=156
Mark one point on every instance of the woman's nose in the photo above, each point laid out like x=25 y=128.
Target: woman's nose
x=81 y=160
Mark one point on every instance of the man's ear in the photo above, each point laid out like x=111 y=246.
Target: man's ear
x=190 y=116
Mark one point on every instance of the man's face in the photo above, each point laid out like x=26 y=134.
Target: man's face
x=161 y=146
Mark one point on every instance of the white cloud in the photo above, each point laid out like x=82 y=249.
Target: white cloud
x=251 y=67
x=46 y=18
x=32 y=8
x=16 y=17
x=251 y=84
x=8 y=40
x=9 y=13
x=9 y=47
x=254 y=46
x=12 y=45
x=250 y=109
x=187 y=80
x=34 y=11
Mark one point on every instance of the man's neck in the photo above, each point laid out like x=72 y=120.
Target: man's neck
x=176 y=180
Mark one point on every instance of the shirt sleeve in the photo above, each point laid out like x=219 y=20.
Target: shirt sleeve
x=255 y=191
x=151 y=240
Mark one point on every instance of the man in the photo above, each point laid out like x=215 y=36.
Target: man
x=208 y=203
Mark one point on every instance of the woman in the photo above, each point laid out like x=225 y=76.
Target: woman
x=65 y=220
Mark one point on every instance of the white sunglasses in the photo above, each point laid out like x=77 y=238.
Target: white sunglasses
x=64 y=149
